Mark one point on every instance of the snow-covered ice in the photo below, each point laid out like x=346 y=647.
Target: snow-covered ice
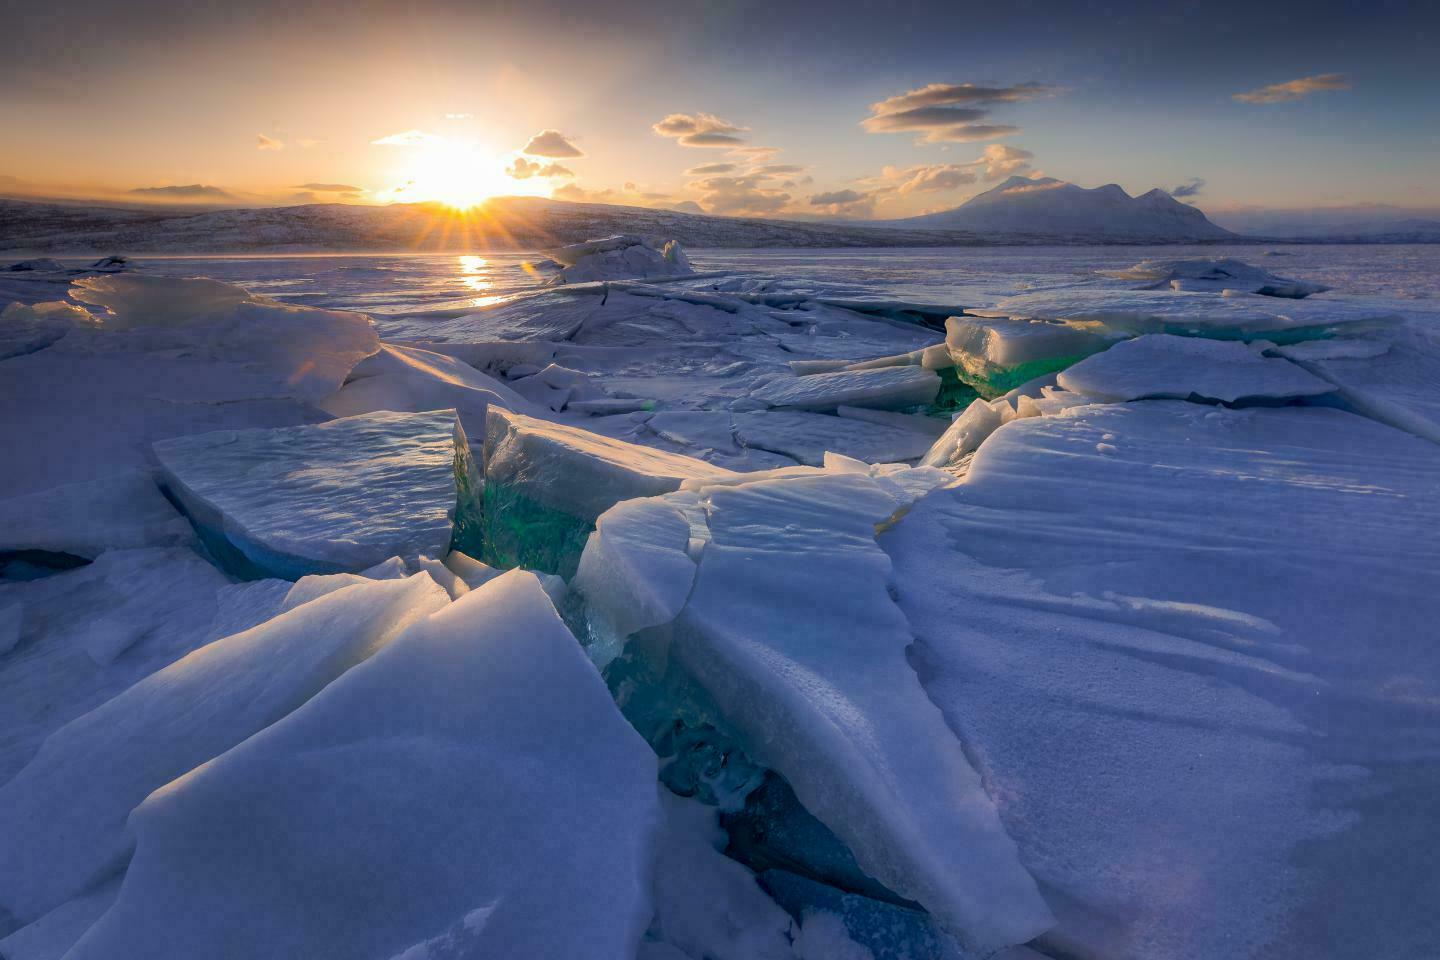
x=336 y=497
x=497 y=805
x=1215 y=274
x=888 y=388
x=621 y=257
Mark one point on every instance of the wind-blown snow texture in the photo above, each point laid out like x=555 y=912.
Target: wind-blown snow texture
x=906 y=607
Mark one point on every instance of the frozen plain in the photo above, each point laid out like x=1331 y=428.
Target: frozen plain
x=973 y=603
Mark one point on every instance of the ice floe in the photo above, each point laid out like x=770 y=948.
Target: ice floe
x=622 y=257
x=1215 y=274
x=330 y=498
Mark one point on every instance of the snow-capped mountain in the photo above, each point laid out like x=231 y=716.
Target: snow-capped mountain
x=1046 y=207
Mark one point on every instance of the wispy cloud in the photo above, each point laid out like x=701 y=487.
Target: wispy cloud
x=951 y=112
x=711 y=169
x=189 y=191
x=263 y=142
x=406 y=138
x=1190 y=189
x=330 y=188
x=523 y=169
x=1295 y=89
x=551 y=143
x=700 y=130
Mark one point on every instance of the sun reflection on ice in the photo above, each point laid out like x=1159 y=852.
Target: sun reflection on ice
x=474 y=274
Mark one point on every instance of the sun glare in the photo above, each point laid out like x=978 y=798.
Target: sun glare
x=460 y=175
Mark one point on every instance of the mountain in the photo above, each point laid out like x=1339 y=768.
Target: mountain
x=1055 y=210
x=504 y=223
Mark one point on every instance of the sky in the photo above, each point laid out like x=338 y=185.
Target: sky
x=838 y=108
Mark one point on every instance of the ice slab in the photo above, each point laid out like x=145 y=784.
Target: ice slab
x=1215 y=274
x=888 y=388
x=1227 y=317
x=807 y=437
x=1397 y=385
x=546 y=484
x=25 y=328
x=331 y=498
x=1189 y=650
x=1166 y=366
x=408 y=380
x=827 y=700
x=123 y=511
x=994 y=355
x=63 y=817
x=967 y=431
x=497 y=806
x=622 y=257
x=87 y=634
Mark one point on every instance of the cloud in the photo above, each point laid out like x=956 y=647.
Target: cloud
x=847 y=202
x=1190 y=189
x=950 y=112
x=700 y=130
x=191 y=191
x=710 y=169
x=688 y=206
x=551 y=143
x=778 y=169
x=936 y=177
x=754 y=154
x=740 y=195
x=1295 y=89
x=1001 y=161
x=263 y=142
x=330 y=188
x=407 y=138
x=578 y=194
x=523 y=169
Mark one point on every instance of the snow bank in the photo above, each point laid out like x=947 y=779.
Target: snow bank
x=1189 y=650
x=62 y=818
x=335 y=497
x=498 y=805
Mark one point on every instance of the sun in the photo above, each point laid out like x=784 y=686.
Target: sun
x=459 y=174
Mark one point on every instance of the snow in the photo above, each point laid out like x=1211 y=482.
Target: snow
x=1215 y=274
x=889 y=388
x=828 y=700
x=546 y=484
x=620 y=257
x=1215 y=634
x=516 y=810
x=335 y=497
x=1165 y=366
x=63 y=817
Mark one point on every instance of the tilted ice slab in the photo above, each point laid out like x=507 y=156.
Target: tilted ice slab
x=888 y=388
x=496 y=804
x=1215 y=274
x=1398 y=385
x=335 y=497
x=546 y=484
x=62 y=818
x=409 y=380
x=1190 y=650
x=807 y=437
x=826 y=699
x=1228 y=317
x=621 y=257
x=1165 y=366
x=997 y=354
x=25 y=328
x=122 y=511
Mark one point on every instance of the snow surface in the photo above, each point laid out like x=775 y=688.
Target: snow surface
x=335 y=497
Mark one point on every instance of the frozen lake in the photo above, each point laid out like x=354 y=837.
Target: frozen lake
x=958 y=277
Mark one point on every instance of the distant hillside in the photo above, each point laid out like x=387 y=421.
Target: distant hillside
x=507 y=223
x=1055 y=210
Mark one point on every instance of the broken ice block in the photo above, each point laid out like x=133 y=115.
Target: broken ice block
x=993 y=355
x=546 y=484
x=331 y=498
x=1215 y=274
x=807 y=437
